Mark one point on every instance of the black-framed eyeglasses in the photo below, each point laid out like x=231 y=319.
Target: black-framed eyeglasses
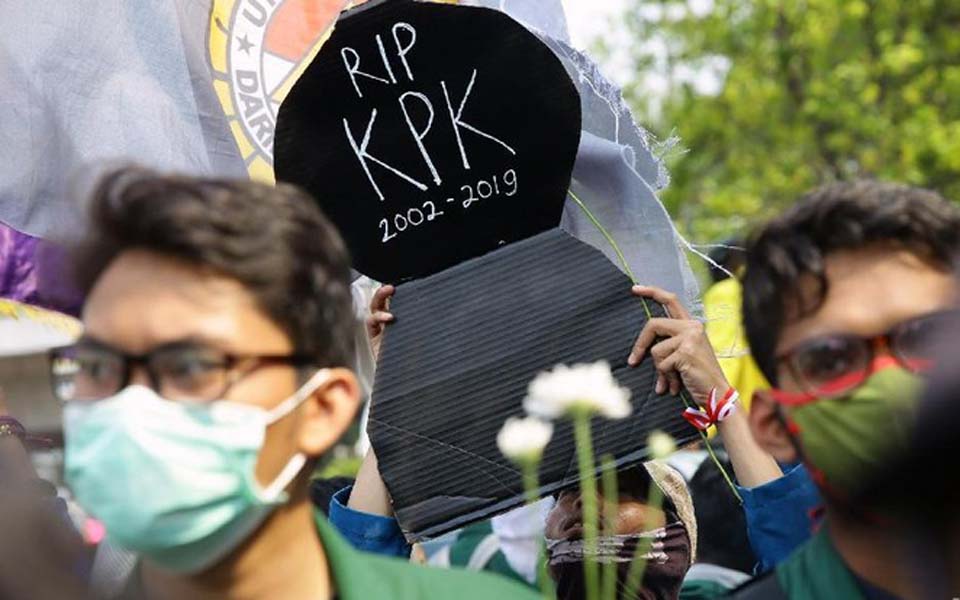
x=834 y=365
x=182 y=371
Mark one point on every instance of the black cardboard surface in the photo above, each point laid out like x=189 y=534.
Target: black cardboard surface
x=457 y=362
x=430 y=134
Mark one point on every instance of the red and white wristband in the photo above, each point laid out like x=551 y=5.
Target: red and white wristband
x=716 y=410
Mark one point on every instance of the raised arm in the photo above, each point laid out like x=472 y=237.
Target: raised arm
x=684 y=357
x=363 y=513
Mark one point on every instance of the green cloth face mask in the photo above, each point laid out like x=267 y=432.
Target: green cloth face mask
x=171 y=481
x=848 y=439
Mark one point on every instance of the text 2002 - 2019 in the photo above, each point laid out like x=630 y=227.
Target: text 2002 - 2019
x=505 y=185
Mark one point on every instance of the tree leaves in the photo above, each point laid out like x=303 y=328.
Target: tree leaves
x=816 y=91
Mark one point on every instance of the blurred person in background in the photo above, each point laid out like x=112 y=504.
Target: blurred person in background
x=18 y=473
x=777 y=513
x=842 y=294
x=670 y=527
x=212 y=377
x=41 y=553
x=918 y=491
x=724 y=556
x=16 y=468
x=41 y=556
x=722 y=307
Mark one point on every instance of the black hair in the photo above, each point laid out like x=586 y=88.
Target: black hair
x=721 y=523
x=727 y=257
x=322 y=491
x=790 y=250
x=274 y=240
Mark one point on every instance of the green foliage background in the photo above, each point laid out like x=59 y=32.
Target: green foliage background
x=816 y=91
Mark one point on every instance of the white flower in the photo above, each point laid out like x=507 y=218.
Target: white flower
x=661 y=444
x=524 y=439
x=587 y=387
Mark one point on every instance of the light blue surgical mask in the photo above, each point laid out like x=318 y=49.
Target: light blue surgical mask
x=173 y=481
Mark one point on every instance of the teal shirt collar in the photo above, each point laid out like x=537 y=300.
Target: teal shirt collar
x=360 y=576
x=347 y=565
x=357 y=575
x=816 y=570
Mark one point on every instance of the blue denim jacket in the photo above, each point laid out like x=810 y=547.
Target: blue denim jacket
x=367 y=532
x=779 y=515
x=778 y=520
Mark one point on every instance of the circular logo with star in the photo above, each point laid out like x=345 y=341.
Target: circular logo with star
x=258 y=49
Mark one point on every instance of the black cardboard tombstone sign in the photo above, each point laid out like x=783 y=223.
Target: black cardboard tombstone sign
x=440 y=139
x=430 y=134
x=457 y=362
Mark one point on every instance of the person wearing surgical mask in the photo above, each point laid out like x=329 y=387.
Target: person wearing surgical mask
x=212 y=377
x=670 y=530
x=843 y=295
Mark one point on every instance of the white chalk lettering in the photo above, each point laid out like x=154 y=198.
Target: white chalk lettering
x=480 y=191
x=415 y=212
x=403 y=50
x=413 y=218
x=354 y=69
x=470 y=199
x=434 y=213
x=419 y=135
x=510 y=178
x=387 y=236
x=363 y=156
x=458 y=122
x=383 y=56
x=485 y=189
x=480 y=188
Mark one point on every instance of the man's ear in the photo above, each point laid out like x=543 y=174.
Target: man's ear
x=769 y=430
x=328 y=412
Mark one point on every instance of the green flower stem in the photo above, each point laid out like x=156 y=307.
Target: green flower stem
x=531 y=480
x=646 y=309
x=611 y=505
x=531 y=486
x=706 y=442
x=588 y=496
x=716 y=461
x=610 y=240
x=639 y=564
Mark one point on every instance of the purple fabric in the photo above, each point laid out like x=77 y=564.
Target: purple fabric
x=22 y=278
x=18 y=269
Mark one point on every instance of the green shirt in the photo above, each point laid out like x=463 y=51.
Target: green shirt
x=361 y=576
x=813 y=572
x=816 y=570
x=478 y=548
